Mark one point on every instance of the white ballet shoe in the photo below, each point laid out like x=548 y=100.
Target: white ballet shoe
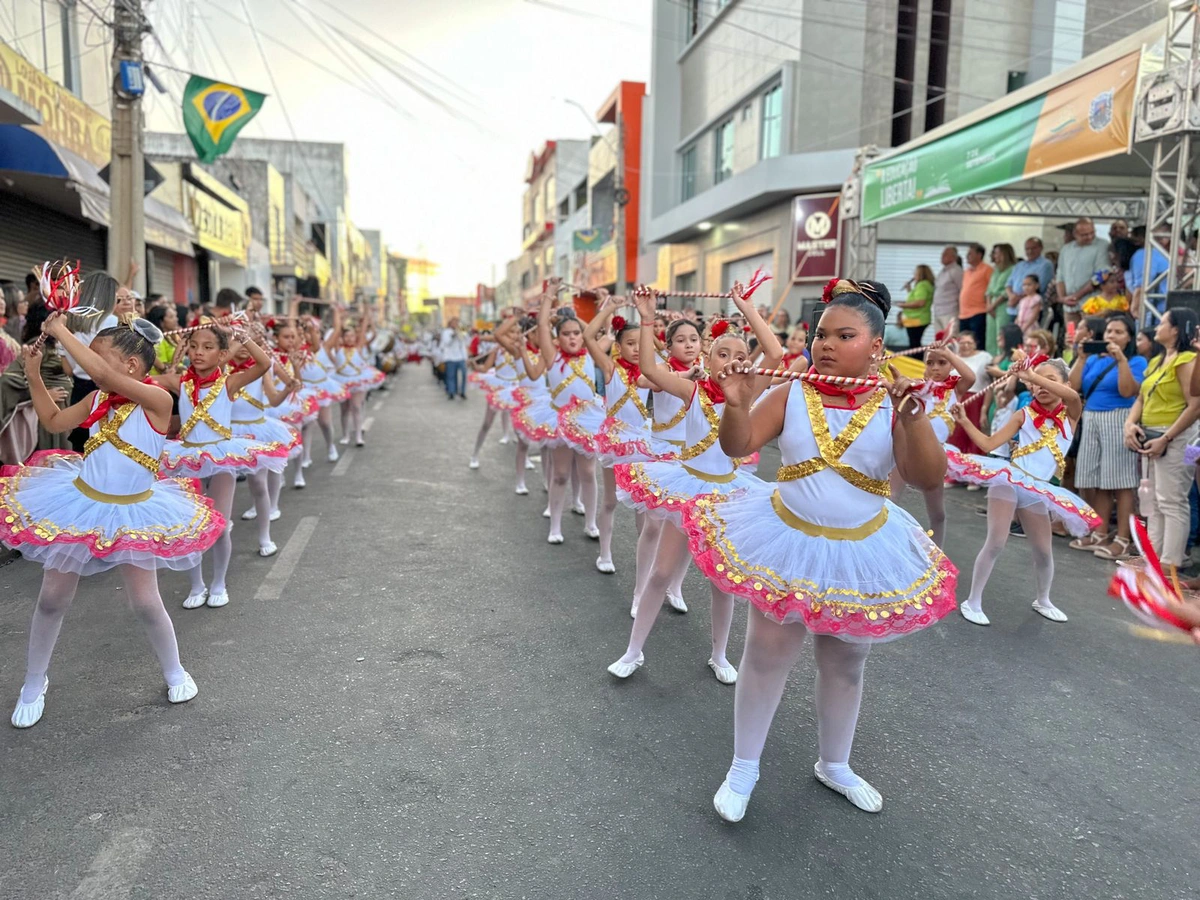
x=473 y=464
x=861 y=795
x=250 y=515
x=299 y=484
x=306 y=463
x=183 y=692
x=267 y=549
x=503 y=440
x=578 y=509
x=218 y=599
x=522 y=491
x=605 y=566
x=625 y=669
x=593 y=532
x=730 y=805
x=554 y=539
x=975 y=616
x=546 y=513
x=275 y=514
x=633 y=610
x=344 y=440
x=195 y=601
x=359 y=442
x=529 y=466
x=725 y=674
x=677 y=603
x=26 y=715
x=333 y=454
x=1053 y=613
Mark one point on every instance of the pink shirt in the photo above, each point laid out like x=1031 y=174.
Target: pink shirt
x=1027 y=311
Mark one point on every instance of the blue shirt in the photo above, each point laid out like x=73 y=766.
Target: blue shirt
x=1104 y=396
x=1041 y=267
x=1159 y=263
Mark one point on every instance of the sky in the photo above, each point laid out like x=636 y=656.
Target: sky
x=440 y=183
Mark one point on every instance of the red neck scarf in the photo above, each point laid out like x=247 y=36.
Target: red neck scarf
x=532 y=348
x=940 y=389
x=111 y=402
x=241 y=366
x=564 y=358
x=839 y=390
x=190 y=376
x=677 y=366
x=789 y=358
x=633 y=370
x=1041 y=416
x=712 y=390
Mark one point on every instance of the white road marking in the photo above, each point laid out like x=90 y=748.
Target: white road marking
x=116 y=867
x=368 y=422
x=378 y=406
x=342 y=464
x=440 y=485
x=289 y=557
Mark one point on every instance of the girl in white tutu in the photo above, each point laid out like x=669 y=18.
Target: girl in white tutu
x=664 y=489
x=1021 y=484
x=529 y=393
x=350 y=369
x=249 y=419
x=947 y=380
x=498 y=372
x=206 y=446
x=106 y=508
x=823 y=549
x=317 y=374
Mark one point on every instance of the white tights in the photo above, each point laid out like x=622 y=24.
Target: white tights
x=1036 y=525
x=260 y=491
x=489 y=416
x=325 y=422
x=352 y=416
x=935 y=506
x=672 y=554
x=563 y=459
x=606 y=514
x=522 y=456
x=220 y=489
x=650 y=529
x=274 y=487
x=54 y=599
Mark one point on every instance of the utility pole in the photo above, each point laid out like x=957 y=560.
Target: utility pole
x=126 y=227
x=621 y=197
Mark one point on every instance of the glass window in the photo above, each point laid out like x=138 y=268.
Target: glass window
x=689 y=173
x=723 y=151
x=581 y=199
x=772 y=123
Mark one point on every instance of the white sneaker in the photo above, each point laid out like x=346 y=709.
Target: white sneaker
x=973 y=616
x=730 y=805
x=861 y=795
x=267 y=549
x=26 y=715
x=195 y=601
x=215 y=599
x=625 y=669
x=473 y=464
x=250 y=515
x=275 y=514
x=522 y=491
x=299 y=483
x=182 y=693
x=578 y=509
x=677 y=603
x=605 y=565
x=333 y=454
x=725 y=674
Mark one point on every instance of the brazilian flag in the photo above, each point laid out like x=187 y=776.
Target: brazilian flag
x=214 y=112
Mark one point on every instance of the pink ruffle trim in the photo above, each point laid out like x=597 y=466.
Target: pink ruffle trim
x=570 y=431
x=196 y=463
x=532 y=432
x=962 y=466
x=607 y=445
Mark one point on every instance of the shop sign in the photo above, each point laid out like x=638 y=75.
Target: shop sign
x=66 y=120
x=816 y=228
x=1088 y=118
x=219 y=228
x=600 y=268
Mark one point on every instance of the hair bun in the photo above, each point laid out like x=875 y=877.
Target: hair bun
x=147 y=330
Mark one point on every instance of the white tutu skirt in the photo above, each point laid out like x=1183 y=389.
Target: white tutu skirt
x=52 y=522
x=298 y=412
x=233 y=455
x=892 y=581
x=618 y=441
x=1007 y=480
x=503 y=398
x=664 y=489
x=490 y=382
x=327 y=392
x=273 y=434
x=536 y=419
x=578 y=423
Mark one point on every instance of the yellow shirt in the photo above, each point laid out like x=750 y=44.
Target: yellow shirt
x=1162 y=394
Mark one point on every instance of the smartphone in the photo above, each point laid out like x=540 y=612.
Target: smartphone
x=1094 y=347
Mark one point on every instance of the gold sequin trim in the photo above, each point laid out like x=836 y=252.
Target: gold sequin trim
x=253 y=401
x=812 y=529
x=711 y=479
x=831 y=449
x=107 y=434
x=630 y=395
x=103 y=497
x=577 y=372
x=1048 y=441
x=257 y=421
x=201 y=414
x=660 y=427
x=714 y=425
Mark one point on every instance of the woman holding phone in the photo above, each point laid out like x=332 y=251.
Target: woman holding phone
x=1108 y=374
x=1159 y=425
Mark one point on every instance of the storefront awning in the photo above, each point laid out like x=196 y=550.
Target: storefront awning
x=1075 y=117
x=59 y=179
x=15 y=111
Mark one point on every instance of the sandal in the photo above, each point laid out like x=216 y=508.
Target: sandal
x=1118 y=549
x=1090 y=541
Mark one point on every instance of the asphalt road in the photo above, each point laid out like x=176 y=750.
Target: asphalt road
x=411 y=701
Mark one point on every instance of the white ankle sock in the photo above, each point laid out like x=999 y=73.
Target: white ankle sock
x=841 y=773
x=742 y=776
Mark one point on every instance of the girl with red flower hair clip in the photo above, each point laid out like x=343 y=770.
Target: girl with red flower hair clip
x=666 y=489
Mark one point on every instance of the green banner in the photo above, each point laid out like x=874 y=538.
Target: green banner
x=214 y=113
x=591 y=238
x=980 y=157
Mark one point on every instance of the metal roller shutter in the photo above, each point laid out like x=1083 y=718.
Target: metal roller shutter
x=160 y=272
x=30 y=234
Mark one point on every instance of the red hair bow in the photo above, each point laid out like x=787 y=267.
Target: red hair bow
x=719 y=329
x=618 y=322
x=827 y=293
